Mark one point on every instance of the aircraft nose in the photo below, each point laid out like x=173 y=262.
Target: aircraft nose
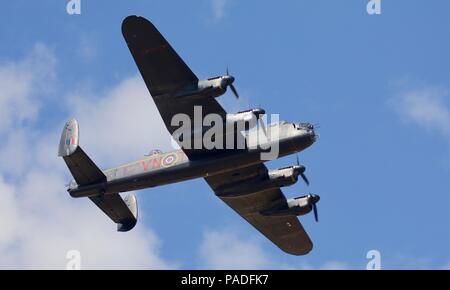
x=309 y=131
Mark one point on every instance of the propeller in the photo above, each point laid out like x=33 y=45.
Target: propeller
x=258 y=112
x=233 y=89
x=313 y=199
x=230 y=84
x=316 y=216
x=302 y=172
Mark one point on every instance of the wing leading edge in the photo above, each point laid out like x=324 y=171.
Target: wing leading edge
x=285 y=231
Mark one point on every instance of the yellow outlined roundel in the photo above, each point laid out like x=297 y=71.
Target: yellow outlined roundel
x=169 y=160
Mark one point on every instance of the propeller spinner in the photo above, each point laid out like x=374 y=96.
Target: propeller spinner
x=313 y=199
x=302 y=172
x=227 y=81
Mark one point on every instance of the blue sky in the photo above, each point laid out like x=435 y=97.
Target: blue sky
x=378 y=86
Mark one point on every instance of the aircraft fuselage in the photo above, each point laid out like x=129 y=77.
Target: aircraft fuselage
x=174 y=166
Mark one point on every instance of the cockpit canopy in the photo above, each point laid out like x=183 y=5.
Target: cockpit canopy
x=154 y=152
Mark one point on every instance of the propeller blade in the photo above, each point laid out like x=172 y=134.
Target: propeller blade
x=233 y=89
x=227 y=72
x=305 y=178
x=302 y=173
x=316 y=215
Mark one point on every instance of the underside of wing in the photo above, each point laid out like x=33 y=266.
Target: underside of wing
x=285 y=231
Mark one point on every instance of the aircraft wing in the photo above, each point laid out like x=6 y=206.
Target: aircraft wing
x=285 y=231
x=164 y=72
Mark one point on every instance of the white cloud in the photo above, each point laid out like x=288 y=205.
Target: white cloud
x=121 y=125
x=13 y=153
x=42 y=223
x=428 y=107
x=225 y=250
x=39 y=221
x=20 y=82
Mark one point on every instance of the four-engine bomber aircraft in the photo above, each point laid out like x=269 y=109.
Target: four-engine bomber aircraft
x=238 y=177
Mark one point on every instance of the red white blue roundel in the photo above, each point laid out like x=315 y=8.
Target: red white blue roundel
x=169 y=160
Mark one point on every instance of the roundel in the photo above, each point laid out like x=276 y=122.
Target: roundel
x=169 y=160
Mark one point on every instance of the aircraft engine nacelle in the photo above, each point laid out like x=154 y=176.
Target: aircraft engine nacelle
x=211 y=87
x=277 y=178
x=301 y=205
x=215 y=86
x=296 y=206
x=248 y=118
x=286 y=176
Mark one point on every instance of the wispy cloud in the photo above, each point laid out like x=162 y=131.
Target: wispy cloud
x=20 y=82
x=219 y=8
x=87 y=48
x=428 y=107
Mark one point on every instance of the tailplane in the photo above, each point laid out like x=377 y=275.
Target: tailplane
x=123 y=212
